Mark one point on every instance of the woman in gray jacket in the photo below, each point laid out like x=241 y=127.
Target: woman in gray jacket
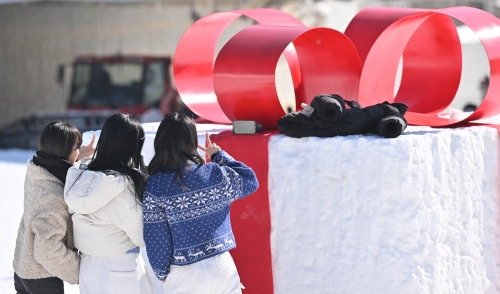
x=44 y=254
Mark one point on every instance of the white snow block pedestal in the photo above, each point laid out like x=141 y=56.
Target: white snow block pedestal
x=364 y=214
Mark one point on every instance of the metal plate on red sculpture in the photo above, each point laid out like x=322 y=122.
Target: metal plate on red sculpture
x=244 y=72
x=194 y=57
x=431 y=59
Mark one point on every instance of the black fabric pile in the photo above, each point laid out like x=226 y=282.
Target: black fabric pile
x=330 y=117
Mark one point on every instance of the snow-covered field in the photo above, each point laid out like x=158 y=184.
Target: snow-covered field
x=357 y=214
x=12 y=172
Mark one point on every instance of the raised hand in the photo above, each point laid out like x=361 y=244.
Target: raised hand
x=87 y=150
x=211 y=148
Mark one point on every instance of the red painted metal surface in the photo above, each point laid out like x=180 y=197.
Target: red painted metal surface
x=294 y=65
x=426 y=39
x=251 y=216
x=369 y=23
x=194 y=57
x=244 y=73
x=431 y=54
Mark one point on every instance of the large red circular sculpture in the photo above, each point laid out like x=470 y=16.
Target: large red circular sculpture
x=431 y=59
x=426 y=39
x=194 y=57
x=244 y=73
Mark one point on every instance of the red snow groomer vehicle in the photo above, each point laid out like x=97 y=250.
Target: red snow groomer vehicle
x=101 y=86
x=130 y=84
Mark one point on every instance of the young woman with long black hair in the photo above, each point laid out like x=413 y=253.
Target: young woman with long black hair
x=104 y=196
x=44 y=256
x=186 y=210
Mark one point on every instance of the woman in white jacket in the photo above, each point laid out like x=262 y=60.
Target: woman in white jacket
x=104 y=196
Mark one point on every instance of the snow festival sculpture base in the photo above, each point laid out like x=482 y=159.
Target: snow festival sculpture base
x=364 y=214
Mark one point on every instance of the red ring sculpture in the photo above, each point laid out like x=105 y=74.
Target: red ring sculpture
x=194 y=58
x=427 y=40
x=244 y=73
x=432 y=59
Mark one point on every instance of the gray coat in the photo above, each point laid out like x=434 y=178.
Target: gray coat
x=44 y=245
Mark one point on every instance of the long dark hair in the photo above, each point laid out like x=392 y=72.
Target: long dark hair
x=119 y=149
x=176 y=143
x=58 y=139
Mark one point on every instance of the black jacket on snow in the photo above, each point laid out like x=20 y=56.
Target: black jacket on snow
x=331 y=118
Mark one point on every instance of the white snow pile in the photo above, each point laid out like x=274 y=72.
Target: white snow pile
x=150 y=132
x=364 y=214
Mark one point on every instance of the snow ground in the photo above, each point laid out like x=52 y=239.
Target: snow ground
x=12 y=173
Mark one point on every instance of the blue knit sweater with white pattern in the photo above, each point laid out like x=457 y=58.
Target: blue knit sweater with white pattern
x=183 y=226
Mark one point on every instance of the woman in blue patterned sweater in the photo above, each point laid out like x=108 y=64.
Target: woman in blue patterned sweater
x=186 y=205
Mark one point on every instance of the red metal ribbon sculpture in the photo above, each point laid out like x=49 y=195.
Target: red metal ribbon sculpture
x=245 y=70
x=194 y=58
x=432 y=59
x=241 y=85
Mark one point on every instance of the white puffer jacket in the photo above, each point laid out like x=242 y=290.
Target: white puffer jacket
x=107 y=220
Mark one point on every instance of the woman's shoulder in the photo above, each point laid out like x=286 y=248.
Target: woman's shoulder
x=159 y=181
x=127 y=198
x=207 y=170
x=204 y=175
x=167 y=180
x=80 y=172
x=41 y=184
x=44 y=190
x=38 y=173
x=210 y=168
x=158 y=178
x=97 y=188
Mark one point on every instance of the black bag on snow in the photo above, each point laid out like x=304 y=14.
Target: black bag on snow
x=328 y=117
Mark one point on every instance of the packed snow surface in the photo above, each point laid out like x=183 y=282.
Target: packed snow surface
x=12 y=173
x=364 y=214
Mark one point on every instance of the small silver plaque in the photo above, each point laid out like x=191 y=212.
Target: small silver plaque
x=246 y=127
